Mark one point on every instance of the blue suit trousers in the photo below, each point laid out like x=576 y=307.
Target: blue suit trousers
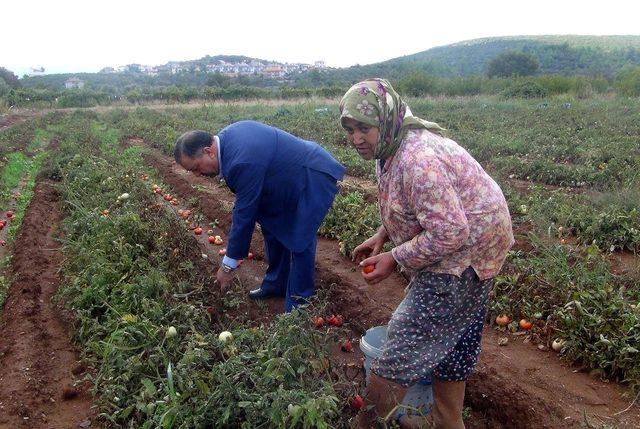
x=290 y=274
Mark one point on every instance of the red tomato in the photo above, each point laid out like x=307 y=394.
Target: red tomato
x=222 y=252
x=250 y=256
x=9 y=214
x=502 y=320
x=356 y=402
x=347 y=347
x=211 y=310
x=334 y=320
x=368 y=269
x=2 y=242
x=167 y=197
x=197 y=231
x=318 y=322
x=525 y=324
x=211 y=239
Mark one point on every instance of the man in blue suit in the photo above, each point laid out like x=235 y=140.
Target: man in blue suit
x=284 y=183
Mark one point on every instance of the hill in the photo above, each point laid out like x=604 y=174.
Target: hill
x=599 y=56
x=566 y=55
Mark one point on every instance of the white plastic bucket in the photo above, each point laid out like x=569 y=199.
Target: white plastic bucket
x=419 y=397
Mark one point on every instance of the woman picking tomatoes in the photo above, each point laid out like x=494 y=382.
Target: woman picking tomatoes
x=450 y=227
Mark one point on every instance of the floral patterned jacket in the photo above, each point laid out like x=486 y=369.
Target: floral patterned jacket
x=442 y=211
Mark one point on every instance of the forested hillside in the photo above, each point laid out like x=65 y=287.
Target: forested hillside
x=567 y=55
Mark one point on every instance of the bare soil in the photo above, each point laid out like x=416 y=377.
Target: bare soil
x=11 y=119
x=40 y=368
x=514 y=386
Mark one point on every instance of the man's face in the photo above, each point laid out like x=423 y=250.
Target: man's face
x=205 y=164
x=363 y=137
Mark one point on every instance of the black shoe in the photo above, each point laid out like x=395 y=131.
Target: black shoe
x=260 y=294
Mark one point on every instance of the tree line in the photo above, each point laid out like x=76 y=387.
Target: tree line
x=510 y=74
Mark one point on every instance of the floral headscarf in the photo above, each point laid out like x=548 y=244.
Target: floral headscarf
x=374 y=102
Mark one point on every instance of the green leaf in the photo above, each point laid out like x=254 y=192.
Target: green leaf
x=150 y=388
x=204 y=389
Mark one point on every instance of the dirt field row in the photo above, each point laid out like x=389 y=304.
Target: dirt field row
x=516 y=385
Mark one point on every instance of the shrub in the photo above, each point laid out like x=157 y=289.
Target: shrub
x=77 y=99
x=418 y=84
x=4 y=88
x=525 y=89
x=628 y=82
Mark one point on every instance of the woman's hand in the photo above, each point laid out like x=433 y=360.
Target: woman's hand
x=384 y=264
x=370 y=247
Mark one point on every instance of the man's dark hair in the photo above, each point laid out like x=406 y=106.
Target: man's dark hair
x=191 y=144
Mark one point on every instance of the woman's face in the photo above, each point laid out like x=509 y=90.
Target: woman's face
x=362 y=136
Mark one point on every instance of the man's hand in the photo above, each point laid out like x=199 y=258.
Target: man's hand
x=224 y=280
x=384 y=264
x=370 y=247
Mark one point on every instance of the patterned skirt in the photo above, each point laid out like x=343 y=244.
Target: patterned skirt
x=436 y=330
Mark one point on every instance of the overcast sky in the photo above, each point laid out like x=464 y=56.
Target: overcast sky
x=85 y=36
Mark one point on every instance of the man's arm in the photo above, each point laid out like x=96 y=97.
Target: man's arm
x=247 y=179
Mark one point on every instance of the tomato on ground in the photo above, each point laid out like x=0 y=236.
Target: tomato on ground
x=502 y=320
x=525 y=324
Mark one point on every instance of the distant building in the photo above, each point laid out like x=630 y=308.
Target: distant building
x=176 y=67
x=74 y=82
x=35 y=71
x=273 y=71
x=163 y=69
x=148 y=70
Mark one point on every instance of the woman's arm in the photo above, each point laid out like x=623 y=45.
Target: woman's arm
x=438 y=208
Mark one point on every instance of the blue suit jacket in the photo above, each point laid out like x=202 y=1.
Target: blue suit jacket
x=285 y=183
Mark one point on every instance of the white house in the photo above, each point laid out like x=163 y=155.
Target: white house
x=74 y=82
x=35 y=71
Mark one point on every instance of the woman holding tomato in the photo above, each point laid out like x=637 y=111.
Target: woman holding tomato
x=450 y=228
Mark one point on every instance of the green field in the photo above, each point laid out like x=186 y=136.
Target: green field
x=569 y=169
